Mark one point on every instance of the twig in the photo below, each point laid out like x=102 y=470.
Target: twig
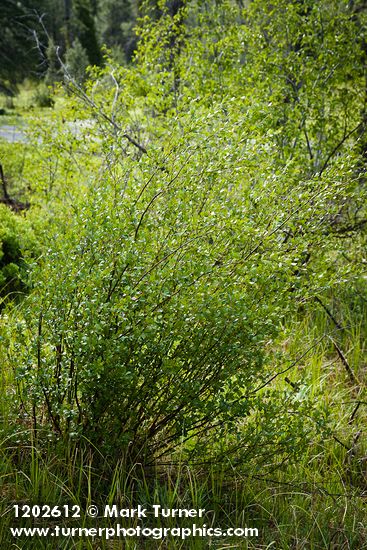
x=3 y=183
x=354 y=412
x=92 y=104
x=340 y=144
x=54 y=418
x=344 y=361
x=337 y=324
x=341 y=443
x=293 y=384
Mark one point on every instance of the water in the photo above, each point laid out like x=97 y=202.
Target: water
x=12 y=134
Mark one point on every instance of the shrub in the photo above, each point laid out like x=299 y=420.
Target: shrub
x=154 y=321
x=157 y=306
x=43 y=96
x=15 y=242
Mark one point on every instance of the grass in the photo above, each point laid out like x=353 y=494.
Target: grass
x=288 y=512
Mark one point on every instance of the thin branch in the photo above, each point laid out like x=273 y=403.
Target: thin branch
x=92 y=104
x=341 y=443
x=4 y=184
x=338 y=145
x=54 y=419
x=354 y=412
x=344 y=361
x=293 y=384
x=146 y=210
x=325 y=308
x=308 y=142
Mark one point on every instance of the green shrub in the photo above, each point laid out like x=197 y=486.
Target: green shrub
x=15 y=242
x=158 y=303
x=211 y=212
x=42 y=97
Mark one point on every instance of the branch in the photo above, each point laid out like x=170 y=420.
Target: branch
x=354 y=412
x=14 y=204
x=325 y=308
x=92 y=104
x=4 y=184
x=340 y=144
x=344 y=361
x=55 y=420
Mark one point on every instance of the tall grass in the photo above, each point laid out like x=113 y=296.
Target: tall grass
x=295 y=509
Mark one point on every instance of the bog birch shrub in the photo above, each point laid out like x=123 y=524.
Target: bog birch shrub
x=165 y=285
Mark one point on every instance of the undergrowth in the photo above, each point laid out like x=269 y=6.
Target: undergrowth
x=316 y=503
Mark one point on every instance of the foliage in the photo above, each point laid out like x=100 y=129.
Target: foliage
x=115 y=23
x=16 y=242
x=43 y=96
x=85 y=30
x=76 y=62
x=167 y=281
x=200 y=295
x=53 y=64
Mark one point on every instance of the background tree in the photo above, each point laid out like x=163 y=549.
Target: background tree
x=84 y=29
x=19 y=53
x=115 y=22
x=76 y=62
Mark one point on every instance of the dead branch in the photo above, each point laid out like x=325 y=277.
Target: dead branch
x=78 y=90
x=14 y=204
x=325 y=308
x=344 y=362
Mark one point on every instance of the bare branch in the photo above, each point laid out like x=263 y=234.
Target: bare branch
x=344 y=361
x=81 y=93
